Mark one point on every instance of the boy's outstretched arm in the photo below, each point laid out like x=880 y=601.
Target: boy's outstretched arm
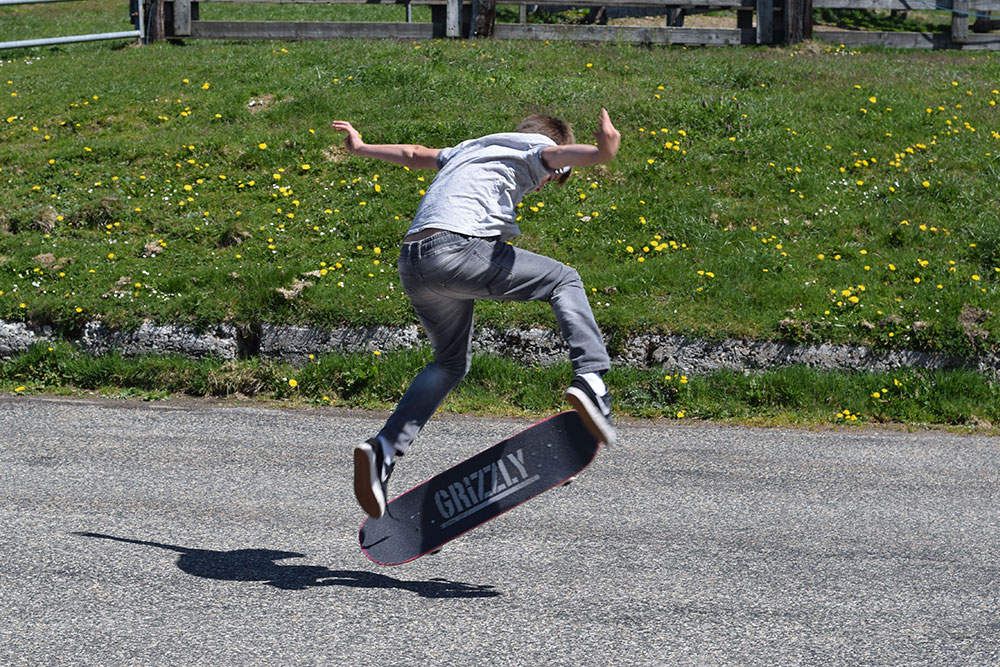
x=582 y=155
x=408 y=155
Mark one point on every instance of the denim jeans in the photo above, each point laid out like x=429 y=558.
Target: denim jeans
x=444 y=274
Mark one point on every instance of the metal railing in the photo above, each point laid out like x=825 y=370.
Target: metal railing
x=71 y=39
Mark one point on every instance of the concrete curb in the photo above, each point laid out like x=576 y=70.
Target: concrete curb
x=533 y=346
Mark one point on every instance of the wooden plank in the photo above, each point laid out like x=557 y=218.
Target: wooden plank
x=302 y=30
x=629 y=35
x=976 y=6
x=696 y=4
x=660 y=4
x=182 y=18
x=907 y=40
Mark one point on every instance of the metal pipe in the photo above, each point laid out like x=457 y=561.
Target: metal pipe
x=29 y=2
x=69 y=40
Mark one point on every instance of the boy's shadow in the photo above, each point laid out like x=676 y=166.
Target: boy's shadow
x=260 y=565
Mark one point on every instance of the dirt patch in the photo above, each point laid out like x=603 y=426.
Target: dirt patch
x=264 y=102
x=335 y=153
x=969 y=319
x=295 y=290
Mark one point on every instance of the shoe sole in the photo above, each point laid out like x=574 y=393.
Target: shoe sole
x=367 y=489
x=595 y=422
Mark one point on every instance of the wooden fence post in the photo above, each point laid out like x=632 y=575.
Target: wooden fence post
x=797 y=20
x=182 y=18
x=453 y=18
x=765 y=21
x=485 y=18
x=154 y=12
x=959 y=21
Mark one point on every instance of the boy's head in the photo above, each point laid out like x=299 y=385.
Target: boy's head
x=555 y=129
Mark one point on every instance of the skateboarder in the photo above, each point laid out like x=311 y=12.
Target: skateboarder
x=456 y=252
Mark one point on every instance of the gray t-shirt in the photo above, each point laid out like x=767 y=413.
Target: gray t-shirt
x=481 y=182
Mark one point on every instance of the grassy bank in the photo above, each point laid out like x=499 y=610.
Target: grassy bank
x=810 y=194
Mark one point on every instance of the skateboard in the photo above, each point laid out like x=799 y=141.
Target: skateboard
x=479 y=489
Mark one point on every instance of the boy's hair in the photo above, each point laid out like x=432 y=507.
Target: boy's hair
x=555 y=129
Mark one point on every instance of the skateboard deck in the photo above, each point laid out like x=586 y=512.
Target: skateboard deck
x=479 y=489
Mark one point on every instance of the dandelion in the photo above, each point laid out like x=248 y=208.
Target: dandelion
x=293 y=383
x=262 y=146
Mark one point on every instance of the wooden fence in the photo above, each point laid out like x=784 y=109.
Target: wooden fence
x=758 y=22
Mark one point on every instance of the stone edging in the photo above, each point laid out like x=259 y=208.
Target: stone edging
x=295 y=344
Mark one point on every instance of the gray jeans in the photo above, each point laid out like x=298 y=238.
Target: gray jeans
x=444 y=274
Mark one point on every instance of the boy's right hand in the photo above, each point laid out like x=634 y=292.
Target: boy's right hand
x=353 y=141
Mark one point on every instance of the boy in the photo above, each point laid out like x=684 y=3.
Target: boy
x=456 y=252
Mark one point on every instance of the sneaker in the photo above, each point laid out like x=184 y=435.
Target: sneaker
x=371 y=477
x=594 y=410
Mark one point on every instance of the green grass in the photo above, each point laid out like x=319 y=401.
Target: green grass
x=808 y=194
x=789 y=396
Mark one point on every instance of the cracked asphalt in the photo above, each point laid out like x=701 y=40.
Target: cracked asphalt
x=193 y=533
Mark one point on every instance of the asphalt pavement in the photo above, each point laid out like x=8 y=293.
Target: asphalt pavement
x=187 y=533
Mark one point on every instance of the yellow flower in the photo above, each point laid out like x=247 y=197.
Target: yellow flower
x=293 y=383
x=262 y=146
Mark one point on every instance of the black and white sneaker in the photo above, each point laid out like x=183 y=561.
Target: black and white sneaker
x=371 y=476
x=594 y=410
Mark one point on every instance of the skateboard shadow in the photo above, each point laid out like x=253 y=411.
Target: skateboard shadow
x=261 y=565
